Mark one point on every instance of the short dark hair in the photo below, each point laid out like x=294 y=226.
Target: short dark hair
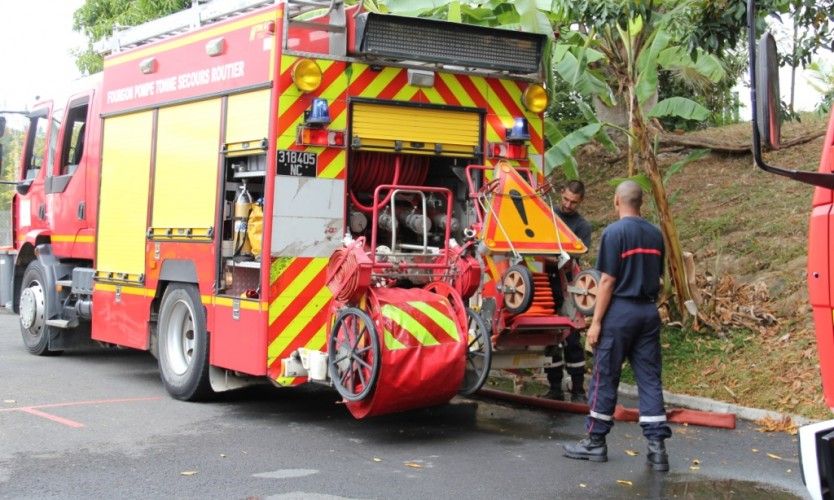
x=576 y=187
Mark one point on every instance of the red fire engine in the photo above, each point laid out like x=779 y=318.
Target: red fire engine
x=296 y=191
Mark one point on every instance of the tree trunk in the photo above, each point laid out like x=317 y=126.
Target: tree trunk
x=671 y=240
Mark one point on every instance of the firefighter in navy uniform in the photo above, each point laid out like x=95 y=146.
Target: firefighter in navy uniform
x=573 y=360
x=626 y=325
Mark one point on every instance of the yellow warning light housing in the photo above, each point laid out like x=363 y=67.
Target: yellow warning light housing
x=535 y=98
x=306 y=75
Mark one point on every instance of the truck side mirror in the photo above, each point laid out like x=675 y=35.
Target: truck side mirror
x=768 y=110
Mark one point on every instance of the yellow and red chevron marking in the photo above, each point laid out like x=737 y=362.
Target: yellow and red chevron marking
x=501 y=98
x=291 y=106
x=298 y=311
x=417 y=323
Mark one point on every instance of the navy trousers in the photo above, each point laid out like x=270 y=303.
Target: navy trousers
x=630 y=330
x=573 y=361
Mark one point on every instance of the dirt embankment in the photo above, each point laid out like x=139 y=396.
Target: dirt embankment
x=748 y=231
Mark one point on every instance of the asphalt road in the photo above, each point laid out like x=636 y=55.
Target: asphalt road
x=99 y=424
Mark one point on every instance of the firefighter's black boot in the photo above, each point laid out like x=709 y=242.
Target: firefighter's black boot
x=591 y=448
x=657 y=458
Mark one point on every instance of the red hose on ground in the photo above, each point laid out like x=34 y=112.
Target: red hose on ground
x=621 y=413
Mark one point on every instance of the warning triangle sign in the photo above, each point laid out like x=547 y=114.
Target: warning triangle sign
x=518 y=218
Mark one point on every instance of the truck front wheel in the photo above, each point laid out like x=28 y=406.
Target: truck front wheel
x=183 y=343
x=32 y=306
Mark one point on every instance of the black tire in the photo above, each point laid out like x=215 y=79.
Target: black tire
x=32 y=306
x=183 y=344
x=478 y=354
x=518 y=289
x=353 y=369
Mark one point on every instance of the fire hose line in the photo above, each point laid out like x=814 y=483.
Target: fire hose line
x=346 y=275
x=372 y=170
x=621 y=413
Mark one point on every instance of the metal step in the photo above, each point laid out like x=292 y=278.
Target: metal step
x=58 y=323
x=64 y=283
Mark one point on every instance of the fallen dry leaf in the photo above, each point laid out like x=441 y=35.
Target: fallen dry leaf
x=695 y=461
x=222 y=455
x=694 y=467
x=784 y=424
x=377 y=459
x=755 y=450
x=624 y=482
x=774 y=457
x=413 y=465
x=188 y=473
x=583 y=485
x=631 y=453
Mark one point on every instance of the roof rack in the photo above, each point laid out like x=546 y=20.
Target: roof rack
x=308 y=14
x=201 y=13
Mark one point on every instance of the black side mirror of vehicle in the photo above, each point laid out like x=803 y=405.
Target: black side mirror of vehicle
x=768 y=110
x=764 y=97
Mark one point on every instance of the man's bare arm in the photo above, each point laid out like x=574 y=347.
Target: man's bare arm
x=604 y=293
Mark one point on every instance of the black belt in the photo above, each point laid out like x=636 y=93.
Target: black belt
x=638 y=300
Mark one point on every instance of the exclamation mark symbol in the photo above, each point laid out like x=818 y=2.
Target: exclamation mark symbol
x=518 y=201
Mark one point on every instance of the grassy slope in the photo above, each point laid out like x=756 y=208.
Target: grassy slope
x=738 y=220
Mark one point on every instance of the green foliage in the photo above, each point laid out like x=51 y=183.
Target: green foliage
x=822 y=80
x=12 y=145
x=96 y=20
x=680 y=107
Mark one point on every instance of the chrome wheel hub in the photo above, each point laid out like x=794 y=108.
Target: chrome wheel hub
x=32 y=308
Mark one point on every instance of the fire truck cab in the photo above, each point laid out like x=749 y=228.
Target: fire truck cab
x=298 y=191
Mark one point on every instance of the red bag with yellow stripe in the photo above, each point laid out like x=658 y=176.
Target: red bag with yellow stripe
x=423 y=346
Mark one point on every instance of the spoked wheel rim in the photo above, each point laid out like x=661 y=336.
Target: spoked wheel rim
x=353 y=355
x=181 y=337
x=584 y=291
x=478 y=354
x=517 y=286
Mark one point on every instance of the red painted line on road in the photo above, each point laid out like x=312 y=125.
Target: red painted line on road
x=83 y=403
x=54 y=418
x=34 y=410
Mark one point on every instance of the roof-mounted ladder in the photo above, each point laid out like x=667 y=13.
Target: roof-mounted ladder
x=201 y=13
x=307 y=14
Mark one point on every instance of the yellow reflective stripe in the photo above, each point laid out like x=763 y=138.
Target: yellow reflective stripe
x=288 y=294
x=125 y=289
x=251 y=305
x=299 y=322
x=70 y=238
x=335 y=167
x=444 y=322
x=457 y=90
x=406 y=93
x=391 y=343
x=409 y=324
x=381 y=81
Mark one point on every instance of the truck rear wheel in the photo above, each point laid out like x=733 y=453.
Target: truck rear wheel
x=183 y=344
x=32 y=306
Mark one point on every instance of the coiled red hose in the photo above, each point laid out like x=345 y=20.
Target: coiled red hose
x=372 y=169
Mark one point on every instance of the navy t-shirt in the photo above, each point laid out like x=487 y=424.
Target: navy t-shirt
x=576 y=223
x=632 y=251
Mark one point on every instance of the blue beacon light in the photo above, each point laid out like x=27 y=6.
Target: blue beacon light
x=520 y=130
x=319 y=114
